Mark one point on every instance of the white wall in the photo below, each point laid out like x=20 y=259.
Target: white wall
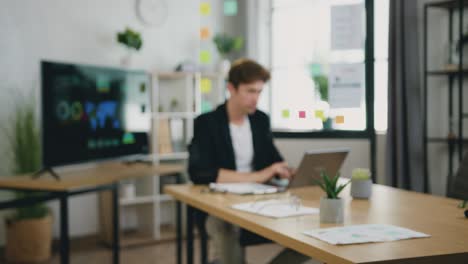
x=84 y=32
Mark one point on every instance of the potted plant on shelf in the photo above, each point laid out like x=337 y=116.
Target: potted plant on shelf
x=361 y=183
x=29 y=229
x=132 y=41
x=226 y=45
x=331 y=206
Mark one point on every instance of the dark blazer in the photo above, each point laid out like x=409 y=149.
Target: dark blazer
x=211 y=147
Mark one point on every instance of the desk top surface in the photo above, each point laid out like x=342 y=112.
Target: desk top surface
x=436 y=216
x=102 y=174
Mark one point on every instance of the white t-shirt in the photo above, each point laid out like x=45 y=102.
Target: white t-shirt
x=241 y=136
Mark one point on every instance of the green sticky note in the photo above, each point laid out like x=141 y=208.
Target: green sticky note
x=205 y=56
x=206 y=86
x=315 y=69
x=285 y=113
x=205 y=9
x=320 y=114
x=230 y=7
x=206 y=107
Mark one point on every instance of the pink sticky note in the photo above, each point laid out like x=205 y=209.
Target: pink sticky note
x=302 y=114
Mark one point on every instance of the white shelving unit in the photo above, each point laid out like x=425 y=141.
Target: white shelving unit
x=145 y=213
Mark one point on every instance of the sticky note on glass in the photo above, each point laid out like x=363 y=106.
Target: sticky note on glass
x=230 y=7
x=302 y=114
x=339 y=119
x=205 y=86
x=205 y=56
x=205 y=9
x=204 y=33
x=315 y=69
x=320 y=114
x=285 y=113
x=206 y=107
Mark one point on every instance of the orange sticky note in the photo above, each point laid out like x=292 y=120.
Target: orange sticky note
x=204 y=33
x=339 y=119
x=302 y=114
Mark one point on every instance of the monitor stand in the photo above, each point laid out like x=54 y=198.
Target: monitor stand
x=45 y=170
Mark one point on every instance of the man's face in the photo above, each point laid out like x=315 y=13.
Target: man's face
x=246 y=95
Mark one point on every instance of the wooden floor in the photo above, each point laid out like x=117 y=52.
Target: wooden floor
x=89 y=250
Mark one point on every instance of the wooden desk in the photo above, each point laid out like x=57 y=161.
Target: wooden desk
x=433 y=215
x=104 y=177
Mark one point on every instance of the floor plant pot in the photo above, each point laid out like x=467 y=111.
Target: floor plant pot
x=331 y=210
x=29 y=240
x=361 y=189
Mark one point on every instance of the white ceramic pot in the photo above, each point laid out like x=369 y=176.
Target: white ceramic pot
x=331 y=210
x=361 y=189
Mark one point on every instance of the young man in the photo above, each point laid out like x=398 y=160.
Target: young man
x=234 y=143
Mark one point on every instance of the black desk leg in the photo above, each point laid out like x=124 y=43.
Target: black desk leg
x=64 y=235
x=116 y=228
x=189 y=234
x=179 y=232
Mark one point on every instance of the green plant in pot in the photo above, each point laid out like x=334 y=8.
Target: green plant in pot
x=331 y=205
x=226 y=45
x=132 y=41
x=29 y=229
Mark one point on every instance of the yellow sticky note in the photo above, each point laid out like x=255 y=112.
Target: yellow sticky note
x=205 y=9
x=285 y=113
x=204 y=33
x=205 y=85
x=339 y=119
x=320 y=114
x=205 y=56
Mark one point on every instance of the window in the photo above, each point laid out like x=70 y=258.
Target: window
x=303 y=61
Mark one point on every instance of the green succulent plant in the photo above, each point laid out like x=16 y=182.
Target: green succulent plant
x=226 y=44
x=330 y=185
x=130 y=38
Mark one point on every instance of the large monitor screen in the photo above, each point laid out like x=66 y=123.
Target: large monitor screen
x=93 y=113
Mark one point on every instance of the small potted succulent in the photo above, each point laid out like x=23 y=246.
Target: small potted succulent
x=331 y=206
x=361 y=184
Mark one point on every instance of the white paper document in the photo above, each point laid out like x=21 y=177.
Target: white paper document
x=347 y=27
x=346 y=85
x=357 y=234
x=275 y=208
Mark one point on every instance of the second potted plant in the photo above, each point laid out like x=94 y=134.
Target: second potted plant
x=29 y=229
x=331 y=206
x=361 y=184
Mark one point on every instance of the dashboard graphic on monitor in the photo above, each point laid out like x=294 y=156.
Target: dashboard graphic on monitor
x=93 y=113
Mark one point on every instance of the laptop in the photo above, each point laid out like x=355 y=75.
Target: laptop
x=316 y=161
x=313 y=162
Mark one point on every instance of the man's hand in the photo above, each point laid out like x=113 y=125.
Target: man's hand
x=280 y=169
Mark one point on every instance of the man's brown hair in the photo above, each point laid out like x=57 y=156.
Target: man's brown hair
x=247 y=71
